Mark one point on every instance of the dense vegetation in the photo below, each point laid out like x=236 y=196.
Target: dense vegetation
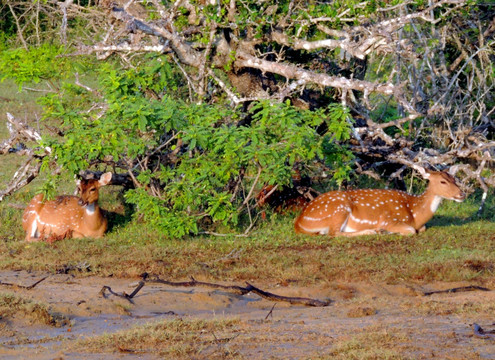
x=202 y=103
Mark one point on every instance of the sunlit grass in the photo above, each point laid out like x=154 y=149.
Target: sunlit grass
x=374 y=343
x=178 y=338
x=12 y=305
x=271 y=253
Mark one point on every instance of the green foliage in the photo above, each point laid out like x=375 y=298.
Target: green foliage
x=49 y=187
x=33 y=65
x=339 y=159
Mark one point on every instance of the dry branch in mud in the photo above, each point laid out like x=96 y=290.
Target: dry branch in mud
x=456 y=290
x=27 y=287
x=232 y=288
x=128 y=297
x=241 y=290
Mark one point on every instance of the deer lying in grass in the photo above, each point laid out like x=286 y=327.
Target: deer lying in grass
x=67 y=216
x=369 y=211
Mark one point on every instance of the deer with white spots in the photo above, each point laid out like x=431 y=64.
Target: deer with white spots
x=370 y=211
x=67 y=216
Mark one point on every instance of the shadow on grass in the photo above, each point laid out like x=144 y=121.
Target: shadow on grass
x=447 y=220
x=443 y=220
x=118 y=219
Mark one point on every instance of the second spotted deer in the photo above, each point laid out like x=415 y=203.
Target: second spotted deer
x=67 y=216
x=369 y=211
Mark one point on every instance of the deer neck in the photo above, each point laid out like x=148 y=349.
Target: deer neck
x=92 y=209
x=424 y=207
x=92 y=215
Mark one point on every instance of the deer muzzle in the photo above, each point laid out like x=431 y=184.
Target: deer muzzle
x=460 y=197
x=81 y=202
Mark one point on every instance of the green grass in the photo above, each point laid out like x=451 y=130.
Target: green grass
x=464 y=252
x=178 y=338
x=12 y=305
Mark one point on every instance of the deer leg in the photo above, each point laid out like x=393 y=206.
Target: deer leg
x=400 y=228
x=356 y=233
x=32 y=232
x=345 y=230
x=74 y=234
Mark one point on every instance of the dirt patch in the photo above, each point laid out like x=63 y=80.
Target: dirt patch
x=363 y=321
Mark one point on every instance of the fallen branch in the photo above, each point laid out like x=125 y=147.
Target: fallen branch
x=29 y=170
x=221 y=340
x=289 y=299
x=26 y=173
x=132 y=351
x=241 y=290
x=457 y=289
x=236 y=289
x=123 y=295
x=479 y=332
x=29 y=287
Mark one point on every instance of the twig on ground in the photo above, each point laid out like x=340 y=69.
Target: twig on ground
x=29 y=287
x=289 y=299
x=457 y=289
x=270 y=313
x=236 y=289
x=132 y=351
x=221 y=340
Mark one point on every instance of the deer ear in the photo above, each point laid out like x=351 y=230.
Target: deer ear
x=105 y=179
x=427 y=174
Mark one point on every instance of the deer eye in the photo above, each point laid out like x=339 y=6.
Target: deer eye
x=443 y=182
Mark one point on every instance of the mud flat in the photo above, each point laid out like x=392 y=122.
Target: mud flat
x=362 y=321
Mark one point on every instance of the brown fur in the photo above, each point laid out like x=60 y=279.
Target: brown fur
x=368 y=211
x=67 y=216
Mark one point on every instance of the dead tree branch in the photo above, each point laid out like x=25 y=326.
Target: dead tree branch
x=241 y=291
x=20 y=132
x=28 y=287
x=455 y=290
x=123 y=295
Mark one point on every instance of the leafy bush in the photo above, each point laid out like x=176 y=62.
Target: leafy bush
x=189 y=161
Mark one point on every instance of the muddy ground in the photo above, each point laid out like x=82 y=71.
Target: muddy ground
x=397 y=319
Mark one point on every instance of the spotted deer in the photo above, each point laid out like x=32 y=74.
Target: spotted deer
x=67 y=216
x=369 y=211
